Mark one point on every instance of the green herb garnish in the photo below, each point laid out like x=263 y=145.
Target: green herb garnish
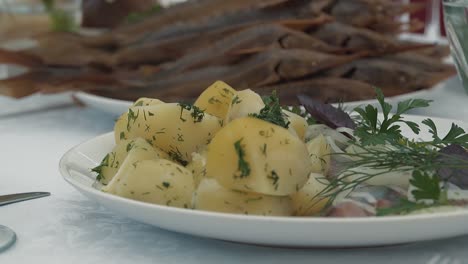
x=272 y=112
x=427 y=186
x=197 y=114
x=242 y=165
x=177 y=156
x=98 y=169
x=372 y=131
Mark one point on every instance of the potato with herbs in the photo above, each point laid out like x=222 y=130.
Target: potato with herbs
x=112 y=161
x=244 y=103
x=211 y=196
x=319 y=153
x=308 y=200
x=198 y=166
x=297 y=122
x=253 y=155
x=216 y=100
x=144 y=101
x=154 y=181
x=177 y=129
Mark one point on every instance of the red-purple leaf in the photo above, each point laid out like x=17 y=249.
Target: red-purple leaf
x=325 y=113
x=457 y=176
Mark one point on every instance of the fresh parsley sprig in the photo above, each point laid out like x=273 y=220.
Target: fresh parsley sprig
x=372 y=131
x=456 y=135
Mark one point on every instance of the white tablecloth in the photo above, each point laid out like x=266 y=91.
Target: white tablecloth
x=68 y=228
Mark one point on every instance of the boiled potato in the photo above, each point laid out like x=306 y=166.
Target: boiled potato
x=170 y=127
x=298 y=123
x=246 y=102
x=198 y=166
x=253 y=155
x=154 y=181
x=211 y=196
x=308 y=200
x=217 y=100
x=319 y=152
x=144 y=101
x=112 y=162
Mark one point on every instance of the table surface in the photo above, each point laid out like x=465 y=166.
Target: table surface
x=68 y=228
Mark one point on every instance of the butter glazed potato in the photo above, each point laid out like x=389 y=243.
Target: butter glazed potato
x=144 y=101
x=253 y=155
x=176 y=129
x=298 y=123
x=112 y=162
x=319 y=152
x=154 y=181
x=308 y=201
x=217 y=100
x=211 y=196
x=197 y=166
x=246 y=102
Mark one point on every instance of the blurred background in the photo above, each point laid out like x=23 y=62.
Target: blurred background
x=23 y=18
x=115 y=48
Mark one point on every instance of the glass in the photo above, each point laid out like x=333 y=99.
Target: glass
x=432 y=29
x=456 y=26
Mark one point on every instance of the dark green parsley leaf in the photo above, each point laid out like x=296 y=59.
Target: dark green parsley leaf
x=373 y=131
x=427 y=186
x=456 y=135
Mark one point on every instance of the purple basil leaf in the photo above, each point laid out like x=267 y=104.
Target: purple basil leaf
x=459 y=177
x=325 y=113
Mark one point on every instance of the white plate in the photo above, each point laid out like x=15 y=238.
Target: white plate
x=105 y=104
x=277 y=231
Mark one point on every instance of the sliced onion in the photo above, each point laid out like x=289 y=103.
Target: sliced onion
x=397 y=178
x=316 y=130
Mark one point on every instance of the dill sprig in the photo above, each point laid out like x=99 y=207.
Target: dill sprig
x=196 y=113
